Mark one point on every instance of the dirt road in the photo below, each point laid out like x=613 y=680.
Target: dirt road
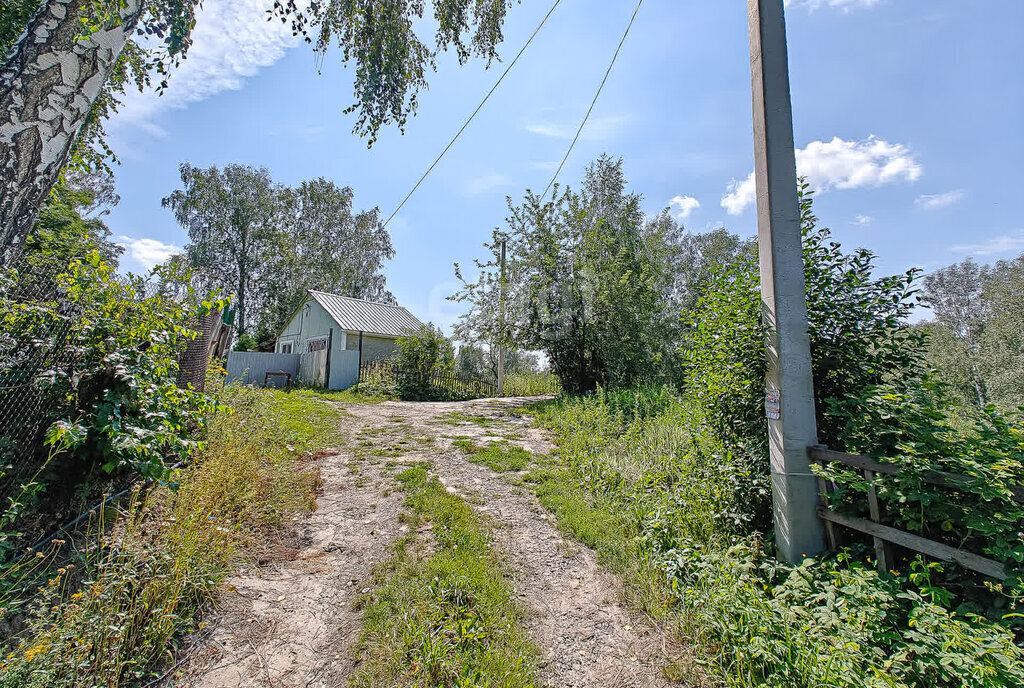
x=293 y=622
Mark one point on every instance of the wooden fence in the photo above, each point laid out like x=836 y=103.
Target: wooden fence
x=454 y=384
x=884 y=536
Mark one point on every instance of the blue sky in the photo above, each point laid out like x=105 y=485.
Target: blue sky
x=906 y=117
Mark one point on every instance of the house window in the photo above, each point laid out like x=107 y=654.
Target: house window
x=286 y=348
x=317 y=344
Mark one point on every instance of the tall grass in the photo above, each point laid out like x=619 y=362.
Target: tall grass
x=112 y=614
x=531 y=384
x=666 y=505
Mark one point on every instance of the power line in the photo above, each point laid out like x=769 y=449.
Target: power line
x=478 y=108
x=594 y=101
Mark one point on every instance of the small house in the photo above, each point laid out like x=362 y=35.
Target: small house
x=339 y=323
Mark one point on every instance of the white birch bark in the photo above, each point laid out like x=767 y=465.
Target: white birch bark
x=48 y=83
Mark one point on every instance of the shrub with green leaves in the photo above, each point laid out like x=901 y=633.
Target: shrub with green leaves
x=859 y=339
x=858 y=332
x=111 y=395
x=423 y=353
x=662 y=501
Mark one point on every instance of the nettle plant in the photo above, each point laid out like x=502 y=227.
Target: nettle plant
x=911 y=427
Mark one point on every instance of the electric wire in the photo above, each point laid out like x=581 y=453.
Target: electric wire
x=478 y=108
x=593 y=102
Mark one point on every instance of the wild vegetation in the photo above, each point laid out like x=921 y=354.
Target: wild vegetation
x=644 y=479
x=664 y=468
x=111 y=610
x=443 y=615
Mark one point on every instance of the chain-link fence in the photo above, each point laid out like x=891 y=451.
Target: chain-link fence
x=33 y=344
x=39 y=319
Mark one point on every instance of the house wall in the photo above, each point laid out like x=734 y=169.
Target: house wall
x=309 y=324
x=374 y=348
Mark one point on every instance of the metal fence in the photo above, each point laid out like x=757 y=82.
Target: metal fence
x=38 y=319
x=37 y=345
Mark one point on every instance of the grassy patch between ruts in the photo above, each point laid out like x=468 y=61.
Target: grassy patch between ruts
x=445 y=615
x=498 y=456
x=458 y=418
x=108 y=616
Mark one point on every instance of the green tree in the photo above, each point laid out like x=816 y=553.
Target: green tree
x=68 y=229
x=325 y=245
x=976 y=342
x=1002 y=343
x=92 y=42
x=956 y=296
x=587 y=282
x=233 y=218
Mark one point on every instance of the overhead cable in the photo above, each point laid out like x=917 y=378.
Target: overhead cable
x=594 y=101
x=478 y=108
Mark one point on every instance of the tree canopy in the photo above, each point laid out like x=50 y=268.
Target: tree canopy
x=104 y=48
x=976 y=340
x=590 y=281
x=267 y=244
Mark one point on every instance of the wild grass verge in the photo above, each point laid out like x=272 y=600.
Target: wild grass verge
x=531 y=384
x=647 y=485
x=138 y=581
x=442 y=613
x=358 y=394
x=498 y=456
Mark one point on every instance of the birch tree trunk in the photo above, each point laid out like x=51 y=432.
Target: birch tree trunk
x=48 y=83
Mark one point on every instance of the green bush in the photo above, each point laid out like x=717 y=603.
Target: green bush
x=145 y=574
x=913 y=429
x=423 y=353
x=859 y=339
x=670 y=498
x=108 y=389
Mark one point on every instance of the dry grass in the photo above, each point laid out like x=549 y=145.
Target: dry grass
x=146 y=571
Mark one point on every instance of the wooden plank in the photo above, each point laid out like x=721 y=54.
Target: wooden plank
x=987 y=567
x=940 y=478
x=831 y=536
x=881 y=549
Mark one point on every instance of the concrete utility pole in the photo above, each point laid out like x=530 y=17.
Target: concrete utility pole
x=501 y=325
x=789 y=394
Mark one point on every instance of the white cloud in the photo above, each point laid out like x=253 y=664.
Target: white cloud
x=838 y=164
x=940 y=201
x=863 y=220
x=739 y=195
x=1000 y=245
x=844 y=5
x=147 y=252
x=683 y=206
x=232 y=40
x=597 y=128
x=484 y=183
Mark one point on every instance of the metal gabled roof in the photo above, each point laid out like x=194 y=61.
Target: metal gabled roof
x=357 y=315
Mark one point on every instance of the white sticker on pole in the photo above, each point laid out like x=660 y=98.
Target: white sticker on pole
x=772 y=405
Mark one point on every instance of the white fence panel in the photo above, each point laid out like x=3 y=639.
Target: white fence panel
x=312 y=368
x=251 y=367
